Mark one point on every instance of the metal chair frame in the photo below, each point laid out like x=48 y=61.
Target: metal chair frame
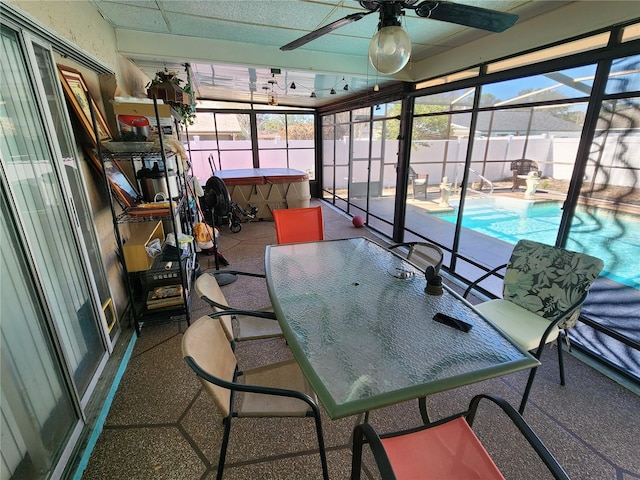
x=522 y=167
x=412 y=246
x=235 y=386
x=217 y=306
x=553 y=324
x=365 y=433
x=418 y=184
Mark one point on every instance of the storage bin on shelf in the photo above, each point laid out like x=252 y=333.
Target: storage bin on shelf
x=135 y=248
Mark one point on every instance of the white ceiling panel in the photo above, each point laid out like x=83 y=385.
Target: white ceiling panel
x=135 y=17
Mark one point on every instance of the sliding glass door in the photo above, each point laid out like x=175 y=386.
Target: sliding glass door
x=86 y=230
x=38 y=416
x=34 y=183
x=53 y=342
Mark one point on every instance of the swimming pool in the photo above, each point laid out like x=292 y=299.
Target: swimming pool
x=615 y=238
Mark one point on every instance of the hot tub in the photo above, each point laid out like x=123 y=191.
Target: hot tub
x=267 y=188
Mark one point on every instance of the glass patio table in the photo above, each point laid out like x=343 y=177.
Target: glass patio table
x=359 y=323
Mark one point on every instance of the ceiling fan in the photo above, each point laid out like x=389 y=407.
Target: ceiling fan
x=390 y=48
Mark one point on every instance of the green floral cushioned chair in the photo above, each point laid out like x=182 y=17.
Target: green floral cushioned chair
x=544 y=288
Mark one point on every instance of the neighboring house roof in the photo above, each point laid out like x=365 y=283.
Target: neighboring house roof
x=204 y=124
x=517 y=121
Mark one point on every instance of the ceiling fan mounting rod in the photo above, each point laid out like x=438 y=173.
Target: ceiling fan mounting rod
x=390 y=13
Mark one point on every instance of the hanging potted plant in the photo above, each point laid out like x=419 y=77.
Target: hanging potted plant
x=167 y=86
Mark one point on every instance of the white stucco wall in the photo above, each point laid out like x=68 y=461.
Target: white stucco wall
x=78 y=22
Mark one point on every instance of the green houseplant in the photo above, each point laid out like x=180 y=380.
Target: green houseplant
x=168 y=86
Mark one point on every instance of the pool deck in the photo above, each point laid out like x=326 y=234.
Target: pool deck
x=432 y=205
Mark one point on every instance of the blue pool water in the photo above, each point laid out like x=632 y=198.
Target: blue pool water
x=615 y=238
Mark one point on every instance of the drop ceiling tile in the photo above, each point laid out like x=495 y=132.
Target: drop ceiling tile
x=281 y=13
x=133 y=16
x=188 y=25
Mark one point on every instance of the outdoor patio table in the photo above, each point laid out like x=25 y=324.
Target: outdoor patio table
x=361 y=327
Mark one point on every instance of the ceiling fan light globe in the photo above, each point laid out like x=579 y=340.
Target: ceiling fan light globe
x=390 y=50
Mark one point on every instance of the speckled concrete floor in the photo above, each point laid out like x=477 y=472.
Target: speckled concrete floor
x=161 y=424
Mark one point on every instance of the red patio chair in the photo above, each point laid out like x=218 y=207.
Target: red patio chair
x=444 y=449
x=294 y=225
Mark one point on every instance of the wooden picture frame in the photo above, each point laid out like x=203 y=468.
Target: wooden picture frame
x=78 y=96
x=126 y=193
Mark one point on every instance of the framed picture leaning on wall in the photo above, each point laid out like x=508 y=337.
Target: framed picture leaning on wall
x=78 y=97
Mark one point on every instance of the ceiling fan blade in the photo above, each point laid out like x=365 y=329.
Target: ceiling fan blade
x=467 y=15
x=354 y=17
